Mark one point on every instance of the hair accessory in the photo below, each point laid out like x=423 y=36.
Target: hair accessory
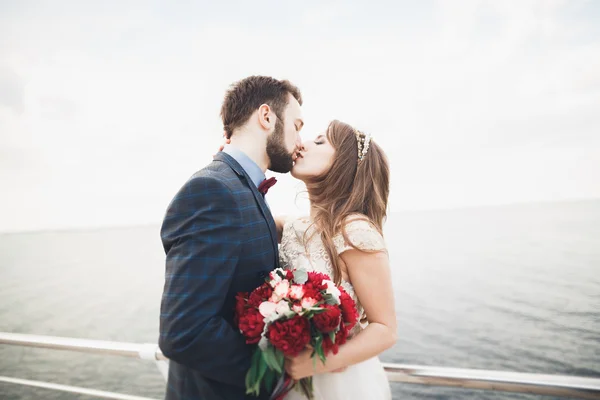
x=363 y=140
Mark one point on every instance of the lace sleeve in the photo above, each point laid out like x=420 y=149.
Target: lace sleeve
x=284 y=261
x=362 y=234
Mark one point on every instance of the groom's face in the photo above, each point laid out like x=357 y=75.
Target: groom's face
x=284 y=143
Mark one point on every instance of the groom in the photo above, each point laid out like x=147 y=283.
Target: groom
x=220 y=239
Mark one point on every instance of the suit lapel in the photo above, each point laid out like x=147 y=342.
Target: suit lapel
x=226 y=158
x=266 y=212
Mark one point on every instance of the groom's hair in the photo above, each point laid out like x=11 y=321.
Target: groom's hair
x=246 y=96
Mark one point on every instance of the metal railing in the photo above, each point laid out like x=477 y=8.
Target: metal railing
x=541 y=384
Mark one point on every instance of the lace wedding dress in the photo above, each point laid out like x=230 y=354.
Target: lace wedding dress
x=367 y=379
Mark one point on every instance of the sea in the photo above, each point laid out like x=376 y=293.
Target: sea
x=510 y=288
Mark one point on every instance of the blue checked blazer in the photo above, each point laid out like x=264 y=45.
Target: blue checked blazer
x=219 y=238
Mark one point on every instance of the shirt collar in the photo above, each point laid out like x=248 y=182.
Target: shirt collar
x=252 y=169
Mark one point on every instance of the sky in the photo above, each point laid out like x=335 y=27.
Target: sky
x=106 y=108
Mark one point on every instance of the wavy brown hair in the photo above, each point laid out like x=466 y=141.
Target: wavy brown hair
x=246 y=96
x=349 y=190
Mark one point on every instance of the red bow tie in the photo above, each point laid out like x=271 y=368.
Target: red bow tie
x=266 y=184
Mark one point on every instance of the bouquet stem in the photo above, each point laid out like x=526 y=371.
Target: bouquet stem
x=286 y=384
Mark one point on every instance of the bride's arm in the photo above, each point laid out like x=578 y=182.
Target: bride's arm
x=279 y=221
x=370 y=275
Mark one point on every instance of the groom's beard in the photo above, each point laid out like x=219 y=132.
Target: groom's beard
x=281 y=161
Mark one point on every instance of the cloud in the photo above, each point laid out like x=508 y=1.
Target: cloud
x=484 y=96
x=11 y=90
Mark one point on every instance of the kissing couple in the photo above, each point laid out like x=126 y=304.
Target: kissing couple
x=220 y=239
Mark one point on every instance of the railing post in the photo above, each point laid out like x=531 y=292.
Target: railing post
x=163 y=367
x=151 y=352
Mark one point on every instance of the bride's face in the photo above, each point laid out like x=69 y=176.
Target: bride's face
x=315 y=159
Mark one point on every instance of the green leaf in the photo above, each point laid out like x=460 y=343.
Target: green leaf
x=300 y=276
x=318 y=343
x=280 y=359
x=332 y=336
x=252 y=378
x=269 y=379
x=268 y=359
x=320 y=353
x=251 y=385
x=256 y=358
x=257 y=365
x=262 y=368
x=254 y=390
x=281 y=273
x=329 y=299
x=271 y=358
x=248 y=380
x=306 y=387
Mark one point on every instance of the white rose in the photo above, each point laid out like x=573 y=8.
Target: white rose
x=332 y=290
x=282 y=309
x=296 y=292
x=266 y=308
x=297 y=309
x=282 y=289
x=308 y=302
x=275 y=277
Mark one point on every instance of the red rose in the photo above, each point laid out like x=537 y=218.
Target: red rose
x=327 y=320
x=310 y=291
x=251 y=325
x=260 y=294
x=314 y=285
x=316 y=279
x=240 y=305
x=290 y=336
x=340 y=338
x=349 y=311
x=289 y=275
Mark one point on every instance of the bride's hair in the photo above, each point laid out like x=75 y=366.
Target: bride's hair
x=351 y=189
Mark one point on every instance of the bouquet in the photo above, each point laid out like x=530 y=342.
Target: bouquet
x=289 y=312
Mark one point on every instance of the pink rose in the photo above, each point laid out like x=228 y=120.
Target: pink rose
x=308 y=302
x=296 y=292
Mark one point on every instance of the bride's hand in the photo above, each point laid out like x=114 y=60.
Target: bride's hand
x=227 y=141
x=339 y=370
x=301 y=366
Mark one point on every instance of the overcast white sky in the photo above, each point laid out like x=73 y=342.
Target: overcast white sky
x=106 y=108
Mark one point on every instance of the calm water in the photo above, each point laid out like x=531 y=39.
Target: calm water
x=510 y=288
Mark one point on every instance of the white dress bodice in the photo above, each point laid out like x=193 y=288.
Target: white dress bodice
x=367 y=379
x=314 y=257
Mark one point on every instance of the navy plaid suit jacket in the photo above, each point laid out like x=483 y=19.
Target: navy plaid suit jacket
x=219 y=238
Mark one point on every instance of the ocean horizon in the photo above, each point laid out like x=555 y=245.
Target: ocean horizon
x=73 y=228
x=510 y=287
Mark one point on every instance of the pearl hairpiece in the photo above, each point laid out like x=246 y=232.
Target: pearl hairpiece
x=363 y=140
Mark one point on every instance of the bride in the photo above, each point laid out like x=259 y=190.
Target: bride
x=347 y=179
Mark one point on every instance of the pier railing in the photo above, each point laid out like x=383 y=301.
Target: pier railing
x=529 y=383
